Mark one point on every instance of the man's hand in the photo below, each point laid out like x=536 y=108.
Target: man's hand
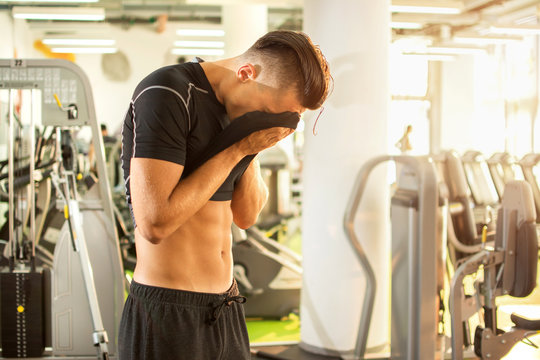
x=262 y=139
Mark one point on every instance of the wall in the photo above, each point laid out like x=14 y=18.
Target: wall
x=457 y=95
x=6 y=29
x=472 y=105
x=145 y=49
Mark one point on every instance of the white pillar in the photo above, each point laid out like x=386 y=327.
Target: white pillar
x=354 y=36
x=243 y=24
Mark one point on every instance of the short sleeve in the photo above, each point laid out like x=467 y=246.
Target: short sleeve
x=160 y=125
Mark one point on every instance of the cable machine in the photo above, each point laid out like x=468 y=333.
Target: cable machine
x=67 y=304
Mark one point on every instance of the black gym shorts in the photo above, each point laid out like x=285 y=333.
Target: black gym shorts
x=160 y=324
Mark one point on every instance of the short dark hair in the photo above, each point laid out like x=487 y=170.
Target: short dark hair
x=301 y=64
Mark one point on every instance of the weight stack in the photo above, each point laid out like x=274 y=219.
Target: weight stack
x=22 y=314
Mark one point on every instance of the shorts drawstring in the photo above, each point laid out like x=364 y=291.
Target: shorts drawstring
x=220 y=306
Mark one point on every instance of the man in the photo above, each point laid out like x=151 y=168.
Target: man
x=183 y=302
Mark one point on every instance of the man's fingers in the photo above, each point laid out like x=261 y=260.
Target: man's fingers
x=280 y=134
x=264 y=139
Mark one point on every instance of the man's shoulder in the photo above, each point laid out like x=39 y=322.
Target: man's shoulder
x=177 y=77
x=167 y=74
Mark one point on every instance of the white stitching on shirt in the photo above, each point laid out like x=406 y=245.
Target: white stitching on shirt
x=134 y=128
x=198 y=88
x=122 y=153
x=191 y=85
x=174 y=92
x=188 y=99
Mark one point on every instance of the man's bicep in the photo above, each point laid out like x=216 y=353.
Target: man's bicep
x=152 y=182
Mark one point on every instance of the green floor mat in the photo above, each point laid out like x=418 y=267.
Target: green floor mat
x=129 y=275
x=286 y=330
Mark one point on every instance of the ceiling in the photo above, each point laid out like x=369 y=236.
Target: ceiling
x=286 y=14
x=475 y=16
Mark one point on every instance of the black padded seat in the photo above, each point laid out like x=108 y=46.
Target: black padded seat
x=526 y=261
x=527 y=163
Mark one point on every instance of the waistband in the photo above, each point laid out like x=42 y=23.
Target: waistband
x=183 y=297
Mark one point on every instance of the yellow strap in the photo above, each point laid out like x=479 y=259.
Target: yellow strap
x=57 y=101
x=66 y=212
x=484 y=234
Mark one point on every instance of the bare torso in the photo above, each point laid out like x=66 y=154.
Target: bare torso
x=196 y=257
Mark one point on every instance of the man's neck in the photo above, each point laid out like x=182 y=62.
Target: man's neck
x=217 y=73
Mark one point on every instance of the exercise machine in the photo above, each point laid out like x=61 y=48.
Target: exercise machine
x=465 y=220
x=79 y=298
x=528 y=163
x=44 y=193
x=268 y=273
x=482 y=188
x=418 y=258
x=509 y=268
x=503 y=168
x=122 y=215
x=280 y=218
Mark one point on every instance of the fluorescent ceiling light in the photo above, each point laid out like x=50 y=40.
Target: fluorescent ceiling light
x=85 y=50
x=218 y=52
x=275 y=3
x=58 y=13
x=200 y=32
x=50 y=1
x=515 y=30
x=424 y=9
x=454 y=50
x=405 y=25
x=485 y=40
x=431 y=57
x=444 y=50
x=65 y=29
x=527 y=19
x=83 y=42
x=199 y=44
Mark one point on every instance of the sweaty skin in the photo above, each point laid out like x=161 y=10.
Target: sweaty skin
x=183 y=240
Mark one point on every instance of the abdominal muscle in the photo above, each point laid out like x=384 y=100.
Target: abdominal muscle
x=196 y=257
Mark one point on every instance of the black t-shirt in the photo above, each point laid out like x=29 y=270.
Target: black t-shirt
x=175 y=116
x=173 y=113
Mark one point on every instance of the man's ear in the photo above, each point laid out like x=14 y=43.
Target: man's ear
x=246 y=72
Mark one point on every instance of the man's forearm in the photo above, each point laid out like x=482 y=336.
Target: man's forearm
x=163 y=213
x=249 y=197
